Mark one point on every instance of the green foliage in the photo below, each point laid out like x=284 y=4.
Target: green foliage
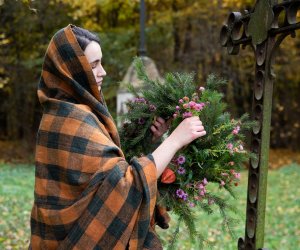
x=214 y=158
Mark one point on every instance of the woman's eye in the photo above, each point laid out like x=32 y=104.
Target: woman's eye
x=94 y=65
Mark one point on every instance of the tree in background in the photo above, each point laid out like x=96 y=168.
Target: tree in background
x=182 y=35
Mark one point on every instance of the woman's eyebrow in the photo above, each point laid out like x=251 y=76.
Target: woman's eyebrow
x=96 y=61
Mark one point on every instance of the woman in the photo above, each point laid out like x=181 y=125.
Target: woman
x=86 y=195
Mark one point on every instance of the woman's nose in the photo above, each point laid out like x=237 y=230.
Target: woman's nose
x=101 y=71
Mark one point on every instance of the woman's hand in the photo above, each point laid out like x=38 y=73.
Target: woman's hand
x=188 y=130
x=159 y=127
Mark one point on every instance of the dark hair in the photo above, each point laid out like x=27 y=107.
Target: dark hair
x=84 y=37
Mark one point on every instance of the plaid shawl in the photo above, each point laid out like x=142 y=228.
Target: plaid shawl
x=86 y=195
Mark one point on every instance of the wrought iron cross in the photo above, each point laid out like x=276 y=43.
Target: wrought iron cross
x=264 y=30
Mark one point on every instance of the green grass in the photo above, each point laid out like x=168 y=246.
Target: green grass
x=282 y=218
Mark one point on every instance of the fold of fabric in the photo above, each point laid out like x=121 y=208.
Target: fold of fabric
x=86 y=195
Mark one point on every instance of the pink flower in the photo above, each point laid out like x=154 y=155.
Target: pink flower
x=177 y=107
x=236 y=130
x=180 y=101
x=191 y=204
x=186 y=98
x=231 y=163
x=241 y=147
x=200 y=186
x=175 y=115
x=202 y=193
x=198 y=106
x=192 y=104
x=205 y=182
x=224 y=174
x=230 y=146
x=237 y=175
x=152 y=107
x=222 y=183
x=187 y=114
x=185 y=106
x=201 y=89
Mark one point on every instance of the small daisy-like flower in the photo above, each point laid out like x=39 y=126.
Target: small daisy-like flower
x=192 y=104
x=185 y=106
x=191 y=204
x=180 y=159
x=181 y=170
x=230 y=146
x=198 y=107
x=181 y=194
x=141 y=121
x=237 y=175
x=152 y=107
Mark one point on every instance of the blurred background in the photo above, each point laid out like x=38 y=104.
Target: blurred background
x=181 y=35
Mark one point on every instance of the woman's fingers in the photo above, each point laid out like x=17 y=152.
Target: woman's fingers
x=160 y=120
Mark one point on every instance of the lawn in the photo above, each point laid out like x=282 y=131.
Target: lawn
x=282 y=218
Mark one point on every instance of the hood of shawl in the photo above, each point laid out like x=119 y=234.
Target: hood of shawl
x=67 y=76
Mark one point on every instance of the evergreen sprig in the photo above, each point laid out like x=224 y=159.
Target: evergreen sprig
x=215 y=158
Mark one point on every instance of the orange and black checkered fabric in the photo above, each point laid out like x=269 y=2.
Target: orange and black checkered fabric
x=86 y=195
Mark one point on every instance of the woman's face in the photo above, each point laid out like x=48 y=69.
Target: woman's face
x=93 y=54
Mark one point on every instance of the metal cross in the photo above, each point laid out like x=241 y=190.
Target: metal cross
x=263 y=29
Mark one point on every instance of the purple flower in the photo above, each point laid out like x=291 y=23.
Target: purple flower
x=202 y=193
x=177 y=107
x=204 y=181
x=201 y=186
x=180 y=159
x=191 y=204
x=141 y=121
x=180 y=101
x=187 y=114
x=181 y=170
x=181 y=194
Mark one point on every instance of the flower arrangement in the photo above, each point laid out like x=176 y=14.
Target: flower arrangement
x=216 y=158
